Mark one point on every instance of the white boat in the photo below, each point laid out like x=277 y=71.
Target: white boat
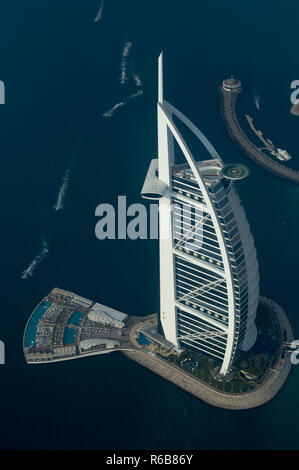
x=283 y=155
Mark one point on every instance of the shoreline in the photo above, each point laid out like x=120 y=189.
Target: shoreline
x=273 y=380
x=266 y=391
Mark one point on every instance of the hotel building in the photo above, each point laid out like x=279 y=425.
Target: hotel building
x=209 y=280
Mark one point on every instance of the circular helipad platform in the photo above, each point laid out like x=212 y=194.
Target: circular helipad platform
x=234 y=171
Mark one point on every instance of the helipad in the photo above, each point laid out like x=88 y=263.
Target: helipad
x=234 y=171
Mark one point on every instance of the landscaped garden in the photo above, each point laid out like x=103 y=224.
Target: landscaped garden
x=250 y=368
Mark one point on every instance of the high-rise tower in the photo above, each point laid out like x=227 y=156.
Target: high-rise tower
x=209 y=281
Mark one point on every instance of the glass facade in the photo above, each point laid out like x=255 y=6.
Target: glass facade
x=202 y=306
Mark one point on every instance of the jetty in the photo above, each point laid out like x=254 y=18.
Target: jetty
x=229 y=92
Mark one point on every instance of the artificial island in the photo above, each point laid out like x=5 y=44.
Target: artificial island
x=65 y=326
x=215 y=336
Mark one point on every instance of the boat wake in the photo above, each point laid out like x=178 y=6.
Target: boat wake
x=126 y=101
x=126 y=49
x=137 y=80
x=124 y=56
x=65 y=184
x=99 y=15
x=256 y=97
x=29 y=271
x=62 y=191
x=123 y=79
x=134 y=95
x=112 y=110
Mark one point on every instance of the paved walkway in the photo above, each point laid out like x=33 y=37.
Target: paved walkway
x=271 y=385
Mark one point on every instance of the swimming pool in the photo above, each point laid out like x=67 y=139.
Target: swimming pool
x=32 y=325
x=69 y=335
x=75 y=317
x=142 y=340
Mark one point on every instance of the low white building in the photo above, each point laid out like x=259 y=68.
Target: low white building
x=108 y=316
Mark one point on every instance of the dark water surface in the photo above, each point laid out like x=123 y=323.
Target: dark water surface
x=61 y=71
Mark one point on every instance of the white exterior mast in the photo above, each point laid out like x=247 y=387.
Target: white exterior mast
x=160 y=78
x=167 y=274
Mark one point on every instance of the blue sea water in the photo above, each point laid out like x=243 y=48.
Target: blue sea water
x=61 y=71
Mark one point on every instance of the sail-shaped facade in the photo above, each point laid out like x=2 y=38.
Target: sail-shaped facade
x=209 y=280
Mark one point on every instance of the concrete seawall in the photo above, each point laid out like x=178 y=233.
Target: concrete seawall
x=228 y=112
x=273 y=382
